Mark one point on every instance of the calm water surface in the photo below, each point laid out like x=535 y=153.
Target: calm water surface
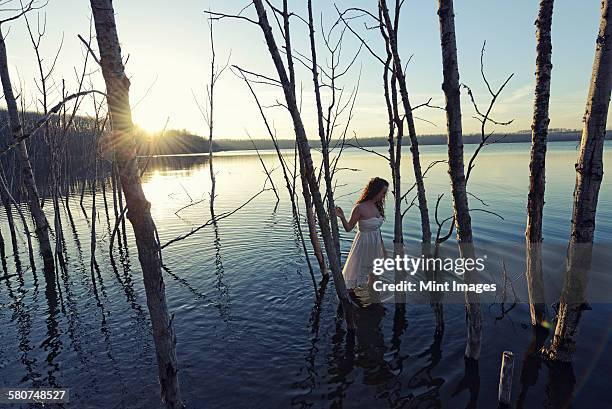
x=243 y=302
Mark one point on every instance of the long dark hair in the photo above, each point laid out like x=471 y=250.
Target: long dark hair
x=372 y=189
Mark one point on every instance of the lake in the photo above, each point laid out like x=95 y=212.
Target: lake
x=242 y=300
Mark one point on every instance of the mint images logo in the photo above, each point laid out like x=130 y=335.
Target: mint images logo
x=456 y=269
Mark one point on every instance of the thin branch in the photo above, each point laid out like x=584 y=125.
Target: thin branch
x=41 y=122
x=219 y=16
x=89 y=49
x=213 y=220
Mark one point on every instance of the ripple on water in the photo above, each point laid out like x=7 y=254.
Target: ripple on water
x=243 y=301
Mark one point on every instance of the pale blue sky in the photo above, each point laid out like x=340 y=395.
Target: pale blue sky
x=168 y=46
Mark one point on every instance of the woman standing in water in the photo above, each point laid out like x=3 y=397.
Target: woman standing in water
x=368 y=215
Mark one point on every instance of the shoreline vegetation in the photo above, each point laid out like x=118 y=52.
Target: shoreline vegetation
x=180 y=142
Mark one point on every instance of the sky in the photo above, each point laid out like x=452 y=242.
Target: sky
x=169 y=62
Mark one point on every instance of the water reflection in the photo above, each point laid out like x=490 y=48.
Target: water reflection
x=560 y=386
x=532 y=363
x=223 y=303
x=22 y=319
x=286 y=350
x=470 y=382
x=423 y=378
x=309 y=384
x=52 y=343
x=340 y=363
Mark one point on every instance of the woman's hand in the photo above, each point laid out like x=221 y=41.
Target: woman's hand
x=350 y=224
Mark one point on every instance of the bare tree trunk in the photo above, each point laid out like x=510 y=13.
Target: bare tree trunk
x=3 y=254
x=304 y=150
x=395 y=146
x=213 y=180
x=537 y=164
x=94 y=216
x=83 y=187
x=398 y=232
x=42 y=226
x=327 y=174
x=312 y=223
x=6 y=202
x=211 y=106
x=463 y=221
x=117 y=207
x=291 y=189
x=139 y=209
x=589 y=174
x=306 y=194
x=105 y=199
x=414 y=144
x=26 y=229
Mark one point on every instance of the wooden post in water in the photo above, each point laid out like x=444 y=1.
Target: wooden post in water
x=505 y=378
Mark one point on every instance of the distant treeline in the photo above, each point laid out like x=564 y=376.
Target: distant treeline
x=71 y=147
x=76 y=152
x=183 y=142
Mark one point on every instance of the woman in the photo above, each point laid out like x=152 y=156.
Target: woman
x=368 y=214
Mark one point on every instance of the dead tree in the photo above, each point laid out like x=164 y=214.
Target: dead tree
x=395 y=136
x=10 y=201
x=396 y=130
x=55 y=137
x=392 y=65
x=40 y=220
x=293 y=196
x=42 y=84
x=94 y=217
x=213 y=79
x=208 y=112
x=310 y=221
x=306 y=193
x=398 y=72
x=328 y=119
x=139 y=209
x=7 y=204
x=589 y=174
x=537 y=164
x=304 y=152
x=486 y=138
x=99 y=125
x=463 y=221
x=323 y=135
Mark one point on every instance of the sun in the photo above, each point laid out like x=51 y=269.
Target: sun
x=150 y=123
x=148 y=127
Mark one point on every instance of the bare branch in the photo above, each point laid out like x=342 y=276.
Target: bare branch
x=213 y=220
x=41 y=122
x=89 y=49
x=219 y=16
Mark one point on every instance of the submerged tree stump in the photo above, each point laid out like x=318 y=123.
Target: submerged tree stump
x=505 y=378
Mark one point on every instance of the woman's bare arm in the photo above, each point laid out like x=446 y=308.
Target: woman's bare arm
x=350 y=224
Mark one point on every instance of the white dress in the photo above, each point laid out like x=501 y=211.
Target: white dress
x=367 y=246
